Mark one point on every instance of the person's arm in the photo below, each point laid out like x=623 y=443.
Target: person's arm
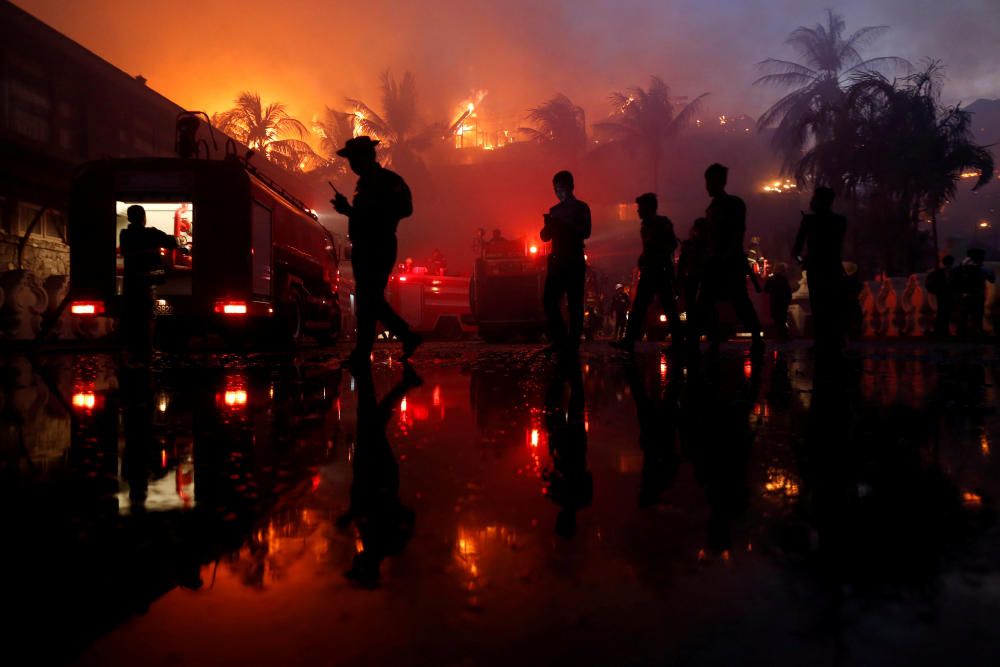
x=546 y=233
x=800 y=240
x=402 y=200
x=584 y=222
x=166 y=241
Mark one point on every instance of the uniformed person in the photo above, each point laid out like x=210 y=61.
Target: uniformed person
x=140 y=247
x=567 y=225
x=656 y=272
x=821 y=236
x=381 y=200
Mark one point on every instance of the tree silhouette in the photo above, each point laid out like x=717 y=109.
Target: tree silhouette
x=401 y=135
x=265 y=129
x=560 y=124
x=644 y=121
x=829 y=60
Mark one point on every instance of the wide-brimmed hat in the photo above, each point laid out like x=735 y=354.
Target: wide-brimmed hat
x=358 y=145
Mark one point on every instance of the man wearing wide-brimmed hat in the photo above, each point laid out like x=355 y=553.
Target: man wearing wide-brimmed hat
x=381 y=200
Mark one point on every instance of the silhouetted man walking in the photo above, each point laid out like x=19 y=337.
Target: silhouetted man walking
x=619 y=306
x=381 y=200
x=821 y=233
x=656 y=272
x=726 y=267
x=567 y=225
x=140 y=247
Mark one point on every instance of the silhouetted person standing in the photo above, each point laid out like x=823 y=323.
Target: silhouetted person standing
x=726 y=267
x=140 y=247
x=779 y=292
x=619 y=306
x=381 y=200
x=941 y=283
x=821 y=234
x=972 y=279
x=567 y=225
x=656 y=272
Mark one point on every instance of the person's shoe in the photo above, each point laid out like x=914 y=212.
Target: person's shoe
x=624 y=345
x=410 y=345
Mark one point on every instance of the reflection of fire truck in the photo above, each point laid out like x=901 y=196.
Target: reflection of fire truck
x=251 y=257
x=434 y=304
x=506 y=290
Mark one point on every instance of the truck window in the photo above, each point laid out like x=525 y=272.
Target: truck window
x=260 y=238
x=174 y=219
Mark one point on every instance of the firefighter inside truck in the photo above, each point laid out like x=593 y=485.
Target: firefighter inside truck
x=175 y=219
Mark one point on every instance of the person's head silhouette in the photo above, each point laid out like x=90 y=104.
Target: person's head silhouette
x=646 y=205
x=822 y=200
x=716 y=177
x=360 y=154
x=562 y=183
x=136 y=215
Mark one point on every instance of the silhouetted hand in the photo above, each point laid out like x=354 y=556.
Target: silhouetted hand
x=341 y=205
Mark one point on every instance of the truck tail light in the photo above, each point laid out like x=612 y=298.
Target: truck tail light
x=231 y=307
x=86 y=307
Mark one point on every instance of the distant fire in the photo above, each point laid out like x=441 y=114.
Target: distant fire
x=780 y=186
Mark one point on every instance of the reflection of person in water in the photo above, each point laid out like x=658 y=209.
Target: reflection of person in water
x=570 y=484
x=716 y=435
x=657 y=416
x=136 y=384
x=384 y=524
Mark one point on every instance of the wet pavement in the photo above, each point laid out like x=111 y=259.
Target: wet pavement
x=496 y=507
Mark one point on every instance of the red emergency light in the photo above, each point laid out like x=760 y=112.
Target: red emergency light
x=533 y=250
x=86 y=308
x=231 y=307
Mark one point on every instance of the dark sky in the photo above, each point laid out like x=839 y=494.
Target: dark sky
x=312 y=53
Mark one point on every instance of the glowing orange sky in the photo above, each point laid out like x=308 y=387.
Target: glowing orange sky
x=313 y=53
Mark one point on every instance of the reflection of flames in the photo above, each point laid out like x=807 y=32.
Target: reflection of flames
x=970 y=499
x=781 y=482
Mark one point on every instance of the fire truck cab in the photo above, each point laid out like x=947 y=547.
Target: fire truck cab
x=251 y=258
x=506 y=290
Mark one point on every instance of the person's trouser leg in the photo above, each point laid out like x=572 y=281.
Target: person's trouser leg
x=367 y=314
x=552 y=301
x=665 y=290
x=745 y=311
x=576 y=277
x=637 y=316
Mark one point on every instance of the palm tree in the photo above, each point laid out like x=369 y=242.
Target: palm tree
x=398 y=127
x=559 y=124
x=333 y=130
x=892 y=143
x=644 y=121
x=264 y=129
x=829 y=61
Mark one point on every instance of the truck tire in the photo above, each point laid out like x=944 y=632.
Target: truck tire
x=332 y=335
x=289 y=325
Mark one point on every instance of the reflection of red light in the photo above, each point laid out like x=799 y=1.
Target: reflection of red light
x=84 y=401
x=747 y=369
x=534 y=437
x=315 y=481
x=235 y=397
x=163 y=458
x=436 y=396
x=533 y=250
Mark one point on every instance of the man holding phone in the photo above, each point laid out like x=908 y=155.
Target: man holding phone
x=567 y=225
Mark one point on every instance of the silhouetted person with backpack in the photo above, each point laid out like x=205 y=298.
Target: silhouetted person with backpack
x=381 y=200
x=656 y=272
x=140 y=247
x=821 y=236
x=567 y=226
x=726 y=267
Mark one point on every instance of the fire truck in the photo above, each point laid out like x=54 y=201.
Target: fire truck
x=506 y=289
x=252 y=260
x=432 y=304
